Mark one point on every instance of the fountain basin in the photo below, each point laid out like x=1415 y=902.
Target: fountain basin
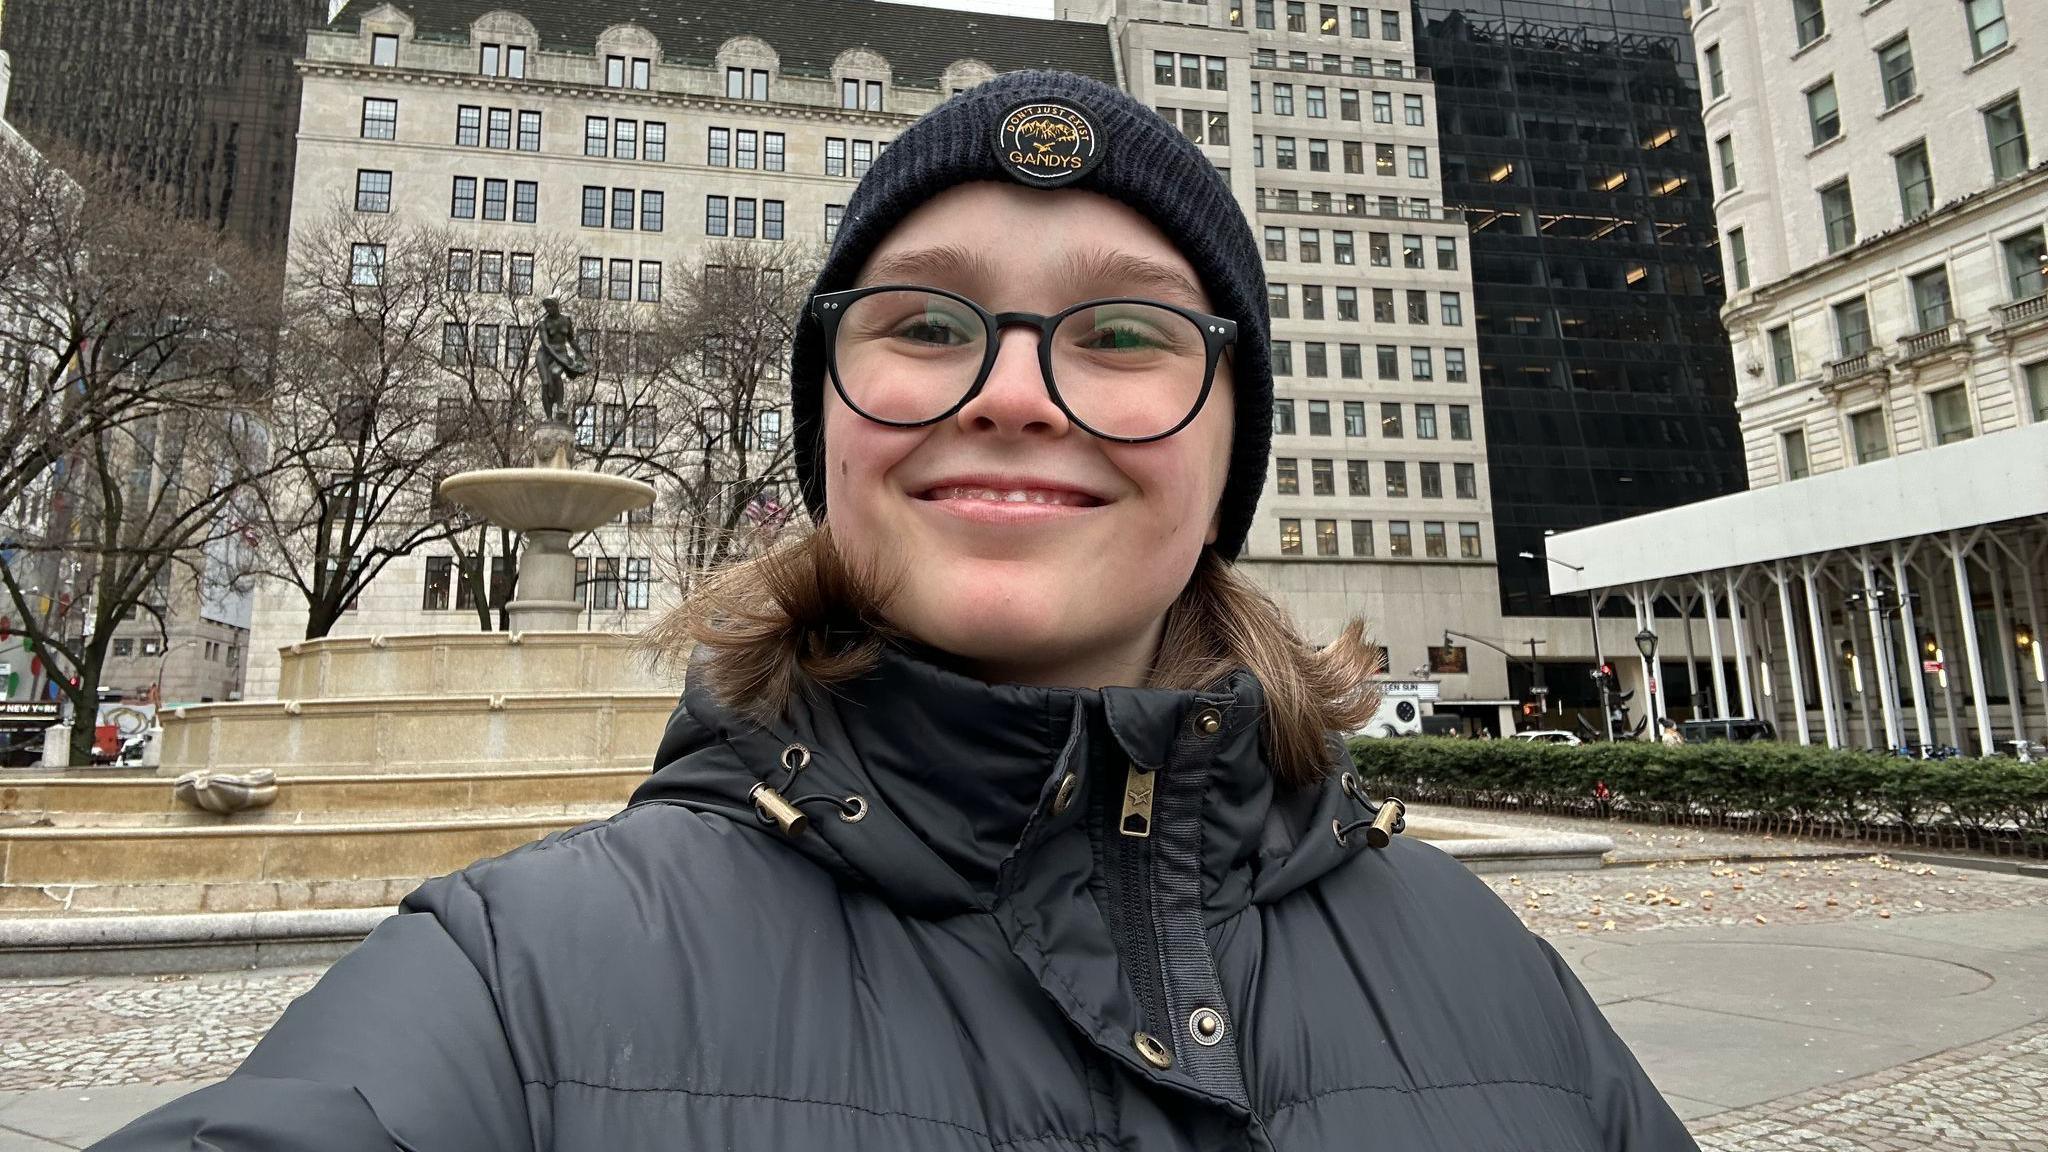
x=546 y=499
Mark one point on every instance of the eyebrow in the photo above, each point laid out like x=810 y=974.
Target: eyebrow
x=1138 y=275
x=949 y=264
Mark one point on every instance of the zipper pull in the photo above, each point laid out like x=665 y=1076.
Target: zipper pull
x=1137 y=817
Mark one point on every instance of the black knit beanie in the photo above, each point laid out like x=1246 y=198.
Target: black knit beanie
x=1117 y=147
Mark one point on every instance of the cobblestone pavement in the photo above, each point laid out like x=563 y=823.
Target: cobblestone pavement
x=1988 y=1097
x=1658 y=896
x=92 y=1031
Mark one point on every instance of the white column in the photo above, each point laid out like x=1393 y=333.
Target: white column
x=1823 y=663
x=1959 y=563
x=1740 y=629
x=1880 y=655
x=2008 y=663
x=1692 y=659
x=1950 y=673
x=1912 y=648
x=1792 y=653
x=1720 y=677
x=2040 y=658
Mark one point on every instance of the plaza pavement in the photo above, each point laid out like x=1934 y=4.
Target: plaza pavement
x=1846 y=1003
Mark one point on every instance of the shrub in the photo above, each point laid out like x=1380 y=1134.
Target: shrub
x=1992 y=804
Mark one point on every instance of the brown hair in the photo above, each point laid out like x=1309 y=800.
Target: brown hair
x=801 y=617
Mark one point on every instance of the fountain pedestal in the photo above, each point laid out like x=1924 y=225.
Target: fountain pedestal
x=547 y=506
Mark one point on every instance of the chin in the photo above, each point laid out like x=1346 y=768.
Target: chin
x=1005 y=631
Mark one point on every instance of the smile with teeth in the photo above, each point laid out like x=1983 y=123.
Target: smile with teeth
x=1061 y=498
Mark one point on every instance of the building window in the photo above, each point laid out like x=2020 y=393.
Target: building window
x=454 y=344
x=593 y=206
x=440 y=576
x=772 y=149
x=529 y=132
x=1931 y=305
x=874 y=89
x=1290 y=537
x=501 y=128
x=1987 y=25
x=1361 y=537
x=515 y=61
x=1783 y=370
x=1286 y=476
x=1451 y=307
x=366 y=265
x=771 y=219
x=615 y=71
x=2007 y=134
x=1390 y=421
x=1793 y=444
x=1326 y=538
x=490 y=272
x=1838 y=214
x=373 y=190
x=1418 y=162
x=736 y=83
x=621 y=280
x=1411 y=252
x=746 y=149
x=1311 y=301
x=1382 y=108
x=1738 y=257
x=834 y=213
x=1283 y=417
x=625 y=139
x=1357 y=478
x=2037 y=389
x=714 y=215
x=1466 y=477
x=1388 y=362
x=642 y=72
x=1823 y=112
x=1276 y=243
x=488 y=60
x=380 y=119
x=1433 y=543
x=718 y=147
x=1322 y=477
x=1950 y=408
x=462 y=202
x=650 y=281
x=654 y=141
x=1461 y=422
x=743 y=217
x=651 y=206
x=1283 y=357
x=1916 y=181
x=597 y=135
x=622 y=209
x=1468 y=540
x=1411 y=109
x=590 y=278
x=494 y=199
x=1895 y=67
x=1454 y=365
x=469 y=126
x=1283 y=152
x=1425 y=421
x=1399 y=543
x=1852 y=327
x=1809 y=20
x=1724 y=152
x=835 y=155
x=521 y=283
x=1276 y=301
x=1421 y=364
x=1162 y=69
x=2026 y=259
x=863 y=158
x=384 y=51
x=1717 y=81
x=1871 y=438
x=1218 y=73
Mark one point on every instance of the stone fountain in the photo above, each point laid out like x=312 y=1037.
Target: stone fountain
x=550 y=503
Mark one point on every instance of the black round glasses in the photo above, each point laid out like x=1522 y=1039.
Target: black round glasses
x=1123 y=369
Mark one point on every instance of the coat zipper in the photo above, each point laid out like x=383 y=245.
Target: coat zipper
x=1131 y=918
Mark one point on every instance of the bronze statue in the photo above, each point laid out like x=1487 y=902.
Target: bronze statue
x=560 y=359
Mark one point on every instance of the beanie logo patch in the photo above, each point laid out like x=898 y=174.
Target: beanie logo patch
x=1048 y=143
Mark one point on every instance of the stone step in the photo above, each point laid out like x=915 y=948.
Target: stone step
x=45 y=858
x=320 y=799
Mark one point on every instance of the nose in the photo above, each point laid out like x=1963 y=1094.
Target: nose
x=1014 y=400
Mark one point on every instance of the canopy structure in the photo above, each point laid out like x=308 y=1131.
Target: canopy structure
x=1893 y=604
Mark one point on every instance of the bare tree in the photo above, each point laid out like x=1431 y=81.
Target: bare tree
x=359 y=435
x=134 y=347
x=702 y=412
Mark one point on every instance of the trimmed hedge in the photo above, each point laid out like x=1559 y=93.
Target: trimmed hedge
x=1990 y=804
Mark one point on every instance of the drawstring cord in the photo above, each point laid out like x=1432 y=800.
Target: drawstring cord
x=772 y=808
x=1383 y=821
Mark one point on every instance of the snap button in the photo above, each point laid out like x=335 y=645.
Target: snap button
x=1206 y=1026
x=1152 y=1050
x=1208 y=721
x=1064 y=798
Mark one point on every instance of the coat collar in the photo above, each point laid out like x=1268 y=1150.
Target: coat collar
x=959 y=778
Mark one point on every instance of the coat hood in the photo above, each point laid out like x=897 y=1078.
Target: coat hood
x=930 y=788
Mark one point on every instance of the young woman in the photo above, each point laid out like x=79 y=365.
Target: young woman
x=999 y=813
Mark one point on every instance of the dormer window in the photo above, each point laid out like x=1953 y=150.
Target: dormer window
x=746 y=83
x=861 y=94
x=384 y=51
x=628 y=72
x=615 y=71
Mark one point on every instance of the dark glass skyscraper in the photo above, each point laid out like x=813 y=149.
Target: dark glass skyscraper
x=1571 y=135
x=197 y=99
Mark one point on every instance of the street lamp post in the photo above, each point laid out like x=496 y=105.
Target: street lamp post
x=1592 y=622
x=1646 y=643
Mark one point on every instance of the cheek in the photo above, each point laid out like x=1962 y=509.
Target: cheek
x=858 y=457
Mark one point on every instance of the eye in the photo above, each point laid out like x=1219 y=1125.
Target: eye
x=934 y=328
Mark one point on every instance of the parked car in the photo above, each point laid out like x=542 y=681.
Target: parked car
x=1547 y=736
x=1741 y=730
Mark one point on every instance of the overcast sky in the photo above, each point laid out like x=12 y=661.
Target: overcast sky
x=1011 y=7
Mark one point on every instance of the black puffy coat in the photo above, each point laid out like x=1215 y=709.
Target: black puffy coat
x=969 y=965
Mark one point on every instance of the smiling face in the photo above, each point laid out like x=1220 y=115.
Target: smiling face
x=1031 y=549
